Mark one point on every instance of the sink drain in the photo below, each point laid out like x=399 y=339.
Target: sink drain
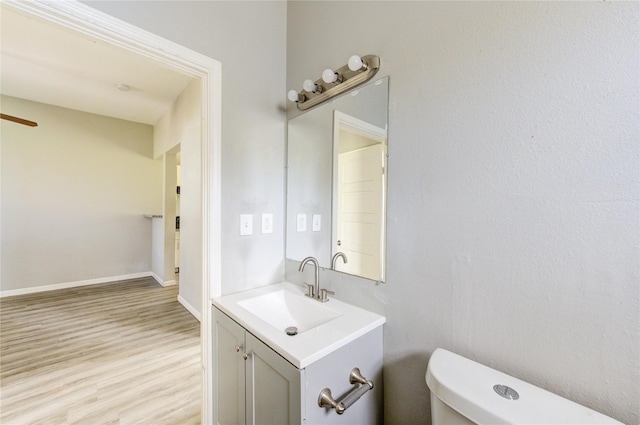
x=291 y=331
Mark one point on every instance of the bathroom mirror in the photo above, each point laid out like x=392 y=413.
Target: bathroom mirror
x=336 y=182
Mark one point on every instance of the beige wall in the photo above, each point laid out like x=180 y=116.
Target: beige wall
x=513 y=232
x=74 y=191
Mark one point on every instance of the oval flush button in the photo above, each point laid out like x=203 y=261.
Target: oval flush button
x=506 y=392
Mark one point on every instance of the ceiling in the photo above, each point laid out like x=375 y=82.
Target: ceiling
x=47 y=63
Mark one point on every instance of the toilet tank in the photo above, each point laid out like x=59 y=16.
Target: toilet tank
x=462 y=392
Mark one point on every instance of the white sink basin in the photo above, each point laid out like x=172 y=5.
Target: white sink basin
x=284 y=309
x=322 y=327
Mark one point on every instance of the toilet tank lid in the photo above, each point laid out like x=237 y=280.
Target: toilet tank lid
x=467 y=387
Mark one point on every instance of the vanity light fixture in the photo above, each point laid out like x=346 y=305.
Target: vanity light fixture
x=294 y=96
x=311 y=87
x=330 y=76
x=358 y=70
x=356 y=63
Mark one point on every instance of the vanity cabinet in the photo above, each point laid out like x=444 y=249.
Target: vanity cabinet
x=256 y=385
x=273 y=386
x=229 y=370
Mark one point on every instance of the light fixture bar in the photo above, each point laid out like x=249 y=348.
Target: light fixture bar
x=350 y=79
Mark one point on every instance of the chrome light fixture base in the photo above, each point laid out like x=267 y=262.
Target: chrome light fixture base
x=350 y=79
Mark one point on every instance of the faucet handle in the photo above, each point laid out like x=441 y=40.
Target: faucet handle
x=323 y=295
x=310 y=291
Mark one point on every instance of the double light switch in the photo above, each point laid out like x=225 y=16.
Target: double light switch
x=246 y=224
x=301 y=223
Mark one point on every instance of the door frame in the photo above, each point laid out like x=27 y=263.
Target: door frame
x=93 y=23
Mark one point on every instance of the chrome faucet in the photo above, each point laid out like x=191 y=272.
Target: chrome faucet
x=314 y=291
x=335 y=259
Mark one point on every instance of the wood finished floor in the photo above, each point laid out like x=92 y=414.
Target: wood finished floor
x=120 y=353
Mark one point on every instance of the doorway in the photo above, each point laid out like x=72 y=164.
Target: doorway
x=83 y=19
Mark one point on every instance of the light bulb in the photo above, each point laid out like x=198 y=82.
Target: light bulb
x=293 y=96
x=329 y=76
x=310 y=86
x=355 y=63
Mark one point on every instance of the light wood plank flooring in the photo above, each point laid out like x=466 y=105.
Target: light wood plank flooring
x=120 y=353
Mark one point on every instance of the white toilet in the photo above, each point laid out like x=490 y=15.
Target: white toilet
x=464 y=392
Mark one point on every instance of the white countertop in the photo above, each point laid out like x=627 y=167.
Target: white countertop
x=306 y=347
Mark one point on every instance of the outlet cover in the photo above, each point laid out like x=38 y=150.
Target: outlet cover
x=267 y=223
x=301 y=223
x=316 y=223
x=246 y=224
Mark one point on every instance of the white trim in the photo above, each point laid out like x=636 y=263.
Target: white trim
x=191 y=309
x=65 y=285
x=171 y=282
x=157 y=278
x=357 y=126
x=86 y=20
x=163 y=283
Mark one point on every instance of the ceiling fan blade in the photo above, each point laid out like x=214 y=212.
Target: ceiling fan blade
x=18 y=120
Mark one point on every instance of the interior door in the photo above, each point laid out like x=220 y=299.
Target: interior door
x=360 y=211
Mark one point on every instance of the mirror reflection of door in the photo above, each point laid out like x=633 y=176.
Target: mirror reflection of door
x=359 y=196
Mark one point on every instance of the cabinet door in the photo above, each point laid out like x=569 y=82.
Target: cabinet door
x=229 y=371
x=273 y=387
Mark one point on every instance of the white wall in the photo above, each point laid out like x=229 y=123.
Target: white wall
x=513 y=232
x=249 y=38
x=310 y=155
x=512 y=178
x=74 y=191
x=182 y=125
x=157 y=248
x=169 y=184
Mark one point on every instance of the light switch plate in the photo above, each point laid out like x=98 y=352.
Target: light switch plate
x=267 y=223
x=301 y=224
x=316 y=223
x=246 y=224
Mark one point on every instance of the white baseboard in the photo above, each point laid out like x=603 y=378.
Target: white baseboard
x=163 y=282
x=169 y=283
x=65 y=285
x=157 y=278
x=190 y=308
